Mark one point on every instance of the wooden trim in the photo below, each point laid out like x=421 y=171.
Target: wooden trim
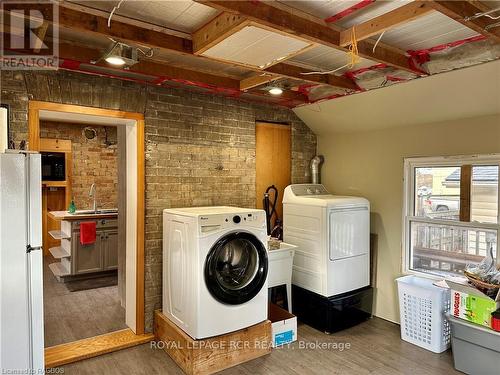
x=215 y=31
x=34 y=108
x=140 y=296
x=92 y=347
x=69 y=173
x=386 y=21
x=71 y=108
x=33 y=127
x=55 y=145
x=465 y=192
x=459 y=10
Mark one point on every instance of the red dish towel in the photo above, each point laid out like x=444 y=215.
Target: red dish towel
x=88 y=232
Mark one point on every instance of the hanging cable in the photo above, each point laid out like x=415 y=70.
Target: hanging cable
x=492 y=26
x=378 y=41
x=353 y=54
x=148 y=54
x=113 y=12
x=482 y=14
x=491 y=17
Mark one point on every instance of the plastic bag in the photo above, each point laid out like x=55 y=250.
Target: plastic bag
x=486 y=266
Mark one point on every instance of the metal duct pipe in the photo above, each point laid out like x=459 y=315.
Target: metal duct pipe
x=315 y=166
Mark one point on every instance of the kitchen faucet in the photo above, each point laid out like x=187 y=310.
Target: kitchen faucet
x=92 y=194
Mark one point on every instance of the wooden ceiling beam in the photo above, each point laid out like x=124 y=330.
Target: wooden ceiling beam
x=148 y=67
x=394 y=18
x=460 y=10
x=315 y=31
x=218 y=29
x=76 y=20
x=257 y=80
x=295 y=72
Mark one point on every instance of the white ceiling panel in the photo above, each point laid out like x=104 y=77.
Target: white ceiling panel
x=182 y=15
x=256 y=47
x=325 y=59
x=321 y=8
x=426 y=32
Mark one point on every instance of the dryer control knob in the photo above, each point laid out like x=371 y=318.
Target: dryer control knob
x=236 y=219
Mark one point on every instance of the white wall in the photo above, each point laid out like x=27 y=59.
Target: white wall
x=370 y=164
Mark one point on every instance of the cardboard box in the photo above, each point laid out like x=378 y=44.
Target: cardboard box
x=470 y=304
x=284 y=326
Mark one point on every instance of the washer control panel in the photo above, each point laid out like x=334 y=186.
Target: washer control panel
x=211 y=223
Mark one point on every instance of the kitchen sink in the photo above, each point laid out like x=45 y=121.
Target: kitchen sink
x=98 y=212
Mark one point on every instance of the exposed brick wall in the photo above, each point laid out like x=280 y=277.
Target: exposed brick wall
x=95 y=161
x=200 y=149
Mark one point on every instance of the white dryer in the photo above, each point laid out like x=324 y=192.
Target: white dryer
x=214 y=269
x=333 y=238
x=331 y=267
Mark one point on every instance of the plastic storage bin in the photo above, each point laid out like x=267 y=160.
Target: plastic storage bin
x=476 y=349
x=422 y=307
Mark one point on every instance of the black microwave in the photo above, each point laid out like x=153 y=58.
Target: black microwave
x=53 y=166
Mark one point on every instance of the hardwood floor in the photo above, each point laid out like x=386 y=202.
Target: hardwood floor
x=71 y=316
x=376 y=349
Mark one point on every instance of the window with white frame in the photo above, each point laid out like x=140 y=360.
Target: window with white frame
x=450 y=212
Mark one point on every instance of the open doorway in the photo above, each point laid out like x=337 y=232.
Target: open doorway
x=94 y=288
x=84 y=282
x=273 y=160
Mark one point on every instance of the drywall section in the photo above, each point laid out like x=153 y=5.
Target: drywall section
x=200 y=148
x=370 y=164
x=463 y=93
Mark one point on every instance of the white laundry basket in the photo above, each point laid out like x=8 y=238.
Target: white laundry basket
x=422 y=307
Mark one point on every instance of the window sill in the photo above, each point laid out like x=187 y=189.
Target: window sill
x=426 y=275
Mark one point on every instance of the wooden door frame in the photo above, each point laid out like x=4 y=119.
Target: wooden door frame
x=87 y=348
x=276 y=125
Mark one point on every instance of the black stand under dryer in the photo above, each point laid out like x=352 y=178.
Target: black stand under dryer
x=332 y=314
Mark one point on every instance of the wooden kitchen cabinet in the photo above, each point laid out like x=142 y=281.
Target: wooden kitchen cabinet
x=110 y=250
x=100 y=256
x=87 y=258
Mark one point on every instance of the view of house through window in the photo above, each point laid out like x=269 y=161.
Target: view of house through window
x=451 y=214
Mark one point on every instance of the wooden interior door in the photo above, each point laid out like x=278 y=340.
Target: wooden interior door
x=273 y=161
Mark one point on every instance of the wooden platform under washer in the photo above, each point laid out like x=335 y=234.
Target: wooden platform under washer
x=197 y=357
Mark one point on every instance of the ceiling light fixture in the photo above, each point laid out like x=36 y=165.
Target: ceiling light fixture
x=115 y=60
x=120 y=54
x=275 y=91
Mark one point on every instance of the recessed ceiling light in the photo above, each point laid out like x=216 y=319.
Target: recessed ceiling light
x=115 y=60
x=275 y=91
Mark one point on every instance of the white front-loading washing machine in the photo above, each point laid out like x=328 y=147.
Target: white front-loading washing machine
x=214 y=269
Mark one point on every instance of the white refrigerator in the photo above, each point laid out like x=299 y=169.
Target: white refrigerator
x=21 y=259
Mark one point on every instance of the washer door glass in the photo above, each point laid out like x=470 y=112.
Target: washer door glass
x=236 y=268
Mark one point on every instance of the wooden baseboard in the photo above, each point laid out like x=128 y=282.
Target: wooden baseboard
x=92 y=347
x=203 y=357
